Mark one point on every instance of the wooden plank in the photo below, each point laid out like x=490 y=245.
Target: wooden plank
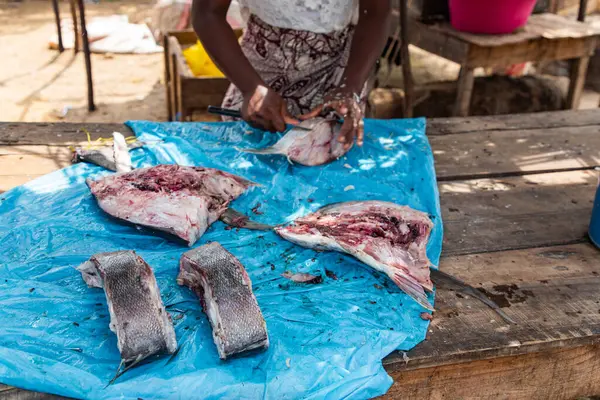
x=559 y=374
x=550 y=292
x=499 y=153
x=542 y=120
x=62 y=133
x=443 y=45
x=538 y=50
x=547 y=25
x=516 y=212
x=8 y=182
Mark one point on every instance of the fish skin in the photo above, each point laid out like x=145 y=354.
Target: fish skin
x=367 y=230
x=182 y=201
x=137 y=313
x=310 y=148
x=224 y=287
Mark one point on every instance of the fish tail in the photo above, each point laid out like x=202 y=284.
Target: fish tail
x=413 y=289
x=121 y=153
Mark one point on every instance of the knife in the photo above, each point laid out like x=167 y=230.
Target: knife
x=228 y=112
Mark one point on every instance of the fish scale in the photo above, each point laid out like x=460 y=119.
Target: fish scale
x=137 y=314
x=221 y=281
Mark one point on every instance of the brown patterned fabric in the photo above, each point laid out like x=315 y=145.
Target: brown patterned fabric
x=301 y=66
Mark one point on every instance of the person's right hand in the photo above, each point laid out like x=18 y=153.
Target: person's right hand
x=265 y=109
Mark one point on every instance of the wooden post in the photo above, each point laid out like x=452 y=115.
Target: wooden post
x=577 y=81
x=405 y=59
x=168 y=82
x=76 y=38
x=88 y=60
x=61 y=47
x=464 y=92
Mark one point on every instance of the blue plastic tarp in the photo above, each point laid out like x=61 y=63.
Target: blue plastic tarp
x=327 y=340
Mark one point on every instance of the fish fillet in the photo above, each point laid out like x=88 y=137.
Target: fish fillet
x=221 y=282
x=315 y=147
x=183 y=201
x=387 y=237
x=137 y=314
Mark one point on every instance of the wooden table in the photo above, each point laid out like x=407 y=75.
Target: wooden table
x=546 y=37
x=516 y=195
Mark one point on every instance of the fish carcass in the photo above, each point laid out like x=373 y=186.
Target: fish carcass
x=137 y=314
x=318 y=146
x=225 y=289
x=183 y=201
x=385 y=236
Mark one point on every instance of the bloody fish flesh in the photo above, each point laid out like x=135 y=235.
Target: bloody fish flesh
x=225 y=289
x=315 y=147
x=137 y=314
x=183 y=201
x=385 y=236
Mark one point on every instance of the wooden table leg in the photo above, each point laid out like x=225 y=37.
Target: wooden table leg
x=61 y=47
x=88 y=60
x=577 y=75
x=76 y=38
x=464 y=92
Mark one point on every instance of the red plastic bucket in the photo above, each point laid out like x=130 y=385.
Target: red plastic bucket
x=490 y=16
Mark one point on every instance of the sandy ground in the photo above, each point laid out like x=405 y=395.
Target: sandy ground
x=39 y=84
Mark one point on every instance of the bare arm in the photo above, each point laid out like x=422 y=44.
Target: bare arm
x=209 y=18
x=367 y=43
x=262 y=108
x=369 y=38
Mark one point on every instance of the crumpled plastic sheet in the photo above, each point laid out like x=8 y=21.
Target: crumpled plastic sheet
x=327 y=340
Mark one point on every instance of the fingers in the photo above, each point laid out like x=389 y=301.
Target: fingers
x=287 y=117
x=311 y=114
x=346 y=135
x=361 y=133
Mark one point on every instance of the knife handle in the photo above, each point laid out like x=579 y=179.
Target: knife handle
x=227 y=112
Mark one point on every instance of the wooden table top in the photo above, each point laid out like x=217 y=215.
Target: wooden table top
x=516 y=194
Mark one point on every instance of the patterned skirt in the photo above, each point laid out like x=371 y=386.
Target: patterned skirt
x=301 y=66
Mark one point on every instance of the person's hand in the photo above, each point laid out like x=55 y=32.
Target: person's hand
x=265 y=109
x=346 y=104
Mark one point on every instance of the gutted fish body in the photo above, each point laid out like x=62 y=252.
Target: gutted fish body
x=137 y=314
x=221 y=282
x=183 y=201
x=315 y=147
x=387 y=237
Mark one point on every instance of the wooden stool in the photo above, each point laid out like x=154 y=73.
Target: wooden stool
x=546 y=37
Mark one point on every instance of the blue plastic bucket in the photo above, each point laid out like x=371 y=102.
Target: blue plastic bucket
x=594 y=230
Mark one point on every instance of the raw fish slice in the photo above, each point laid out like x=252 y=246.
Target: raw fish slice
x=315 y=147
x=183 y=201
x=224 y=287
x=137 y=314
x=387 y=237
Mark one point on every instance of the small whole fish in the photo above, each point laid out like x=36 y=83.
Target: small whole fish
x=315 y=147
x=137 y=314
x=182 y=201
x=385 y=236
x=222 y=283
x=109 y=157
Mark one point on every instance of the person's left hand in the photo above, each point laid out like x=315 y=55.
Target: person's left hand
x=346 y=104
